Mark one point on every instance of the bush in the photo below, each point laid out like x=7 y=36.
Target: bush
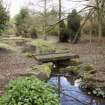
x=29 y=91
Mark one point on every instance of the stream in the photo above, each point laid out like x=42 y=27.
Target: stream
x=71 y=94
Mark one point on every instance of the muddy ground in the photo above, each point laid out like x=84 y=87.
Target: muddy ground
x=13 y=64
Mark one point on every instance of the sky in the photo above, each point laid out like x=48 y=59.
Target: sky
x=16 y=5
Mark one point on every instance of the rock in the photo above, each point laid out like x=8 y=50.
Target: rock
x=91 y=81
x=42 y=71
x=87 y=70
x=71 y=69
x=75 y=62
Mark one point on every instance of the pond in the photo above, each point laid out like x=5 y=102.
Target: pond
x=71 y=94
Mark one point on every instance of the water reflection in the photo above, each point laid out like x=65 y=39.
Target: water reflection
x=71 y=94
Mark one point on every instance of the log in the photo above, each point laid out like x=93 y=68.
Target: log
x=55 y=57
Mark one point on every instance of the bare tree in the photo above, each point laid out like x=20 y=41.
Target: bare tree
x=99 y=9
x=45 y=18
x=60 y=10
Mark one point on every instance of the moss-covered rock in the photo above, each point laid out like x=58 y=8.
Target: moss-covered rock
x=74 y=69
x=89 y=67
x=5 y=48
x=91 y=82
x=71 y=70
x=75 y=62
x=87 y=70
x=94 y=87
x=43 y=71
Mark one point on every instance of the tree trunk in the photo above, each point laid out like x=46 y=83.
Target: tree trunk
x=45 y=19
x=99 y=19
x=99 y=30
x=59 y=20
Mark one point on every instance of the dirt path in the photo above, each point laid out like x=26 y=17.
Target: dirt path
x=13 y=65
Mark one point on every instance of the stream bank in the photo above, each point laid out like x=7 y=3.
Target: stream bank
x=71 y=94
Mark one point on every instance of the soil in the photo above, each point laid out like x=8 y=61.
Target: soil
x=15 y=64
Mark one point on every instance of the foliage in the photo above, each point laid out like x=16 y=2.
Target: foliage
x=4 y=18
x=20 y=19
x=29 y=91
x=11 y=28
x=25 y=24
x=74 y=26
x=99 y=92
x=43 y=47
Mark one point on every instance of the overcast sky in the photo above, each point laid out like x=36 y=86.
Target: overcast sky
x=16 y=5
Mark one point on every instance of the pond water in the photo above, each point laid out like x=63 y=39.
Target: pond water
x=71 y=94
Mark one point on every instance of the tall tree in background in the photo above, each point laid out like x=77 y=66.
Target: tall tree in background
x=74 y=26
x=4 y=18
x=60 y=28
x=20 y=20
x=45 y=18
x=25 y=24
x=99 y=11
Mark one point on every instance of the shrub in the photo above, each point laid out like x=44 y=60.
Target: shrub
x=29 y=91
